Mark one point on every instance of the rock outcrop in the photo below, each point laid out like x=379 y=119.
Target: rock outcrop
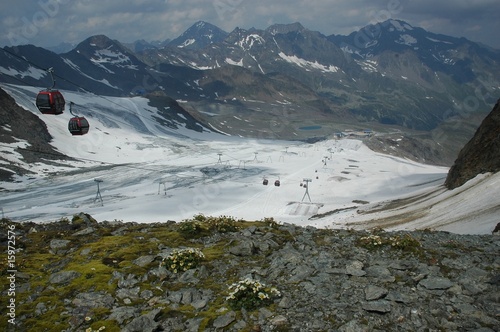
x=481 y=154
x=113 y=278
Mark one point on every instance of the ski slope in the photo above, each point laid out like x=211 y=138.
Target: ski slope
x=150 y=173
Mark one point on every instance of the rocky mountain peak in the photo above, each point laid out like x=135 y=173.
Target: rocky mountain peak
x=89 y=46
x=98 y=41
x=481 y=154
x=285 y=28
x=399 y=25
x=198 y=36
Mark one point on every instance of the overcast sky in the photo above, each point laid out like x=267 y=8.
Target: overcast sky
x=50 y=22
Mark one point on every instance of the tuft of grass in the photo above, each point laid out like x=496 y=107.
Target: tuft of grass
x=371 y=242
x=201 y=225
x=405 y=243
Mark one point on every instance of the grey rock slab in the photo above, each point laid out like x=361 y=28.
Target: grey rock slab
x=381 y=306
x=63 y=277
x=436 y=283
x=224 y=320
x=143 y=260
x=58 y=244
x=374 y=292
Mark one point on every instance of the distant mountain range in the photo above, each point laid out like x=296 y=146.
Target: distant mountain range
x=285 y=78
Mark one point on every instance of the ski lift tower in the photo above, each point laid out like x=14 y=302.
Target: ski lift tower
x=325 y=158
x=98 y=194
x=307 y=189
x=220 y=160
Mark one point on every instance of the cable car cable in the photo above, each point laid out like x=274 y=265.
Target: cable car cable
x=82 y=88
x=79 y=86
x=71 y=82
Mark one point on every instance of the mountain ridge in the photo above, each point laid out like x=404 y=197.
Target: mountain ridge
x=400 y=85
x=428 y=83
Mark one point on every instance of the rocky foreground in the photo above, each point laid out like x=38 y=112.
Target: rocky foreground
x=221 y=274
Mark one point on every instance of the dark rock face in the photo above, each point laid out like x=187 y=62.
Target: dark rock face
x=481 y=154
x=17 y=124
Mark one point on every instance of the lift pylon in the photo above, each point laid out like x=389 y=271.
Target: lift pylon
x=98 y=194
x=307 y=189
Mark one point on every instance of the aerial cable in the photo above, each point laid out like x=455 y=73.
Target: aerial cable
x=138 y=114
x=34 y=86
x=70 y=82
x=50 y=70
x=114 y=119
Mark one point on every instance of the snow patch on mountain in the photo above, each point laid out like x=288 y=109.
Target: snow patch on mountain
x=115 y=58
x=371 y=43
x=234 y=63
x=72 y=65
x=308 y=65
x=438 y=40
x=444 y=59
x=30 y=72
x=348 y=49
x=369 y=66
x=187 y=42
x=406 y=40
x=400 y=26
x=247 y=43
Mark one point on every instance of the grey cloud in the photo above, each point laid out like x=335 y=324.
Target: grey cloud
x=49 y=22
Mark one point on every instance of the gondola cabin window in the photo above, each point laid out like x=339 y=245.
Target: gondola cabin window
x=50 y=102
x=78 y=126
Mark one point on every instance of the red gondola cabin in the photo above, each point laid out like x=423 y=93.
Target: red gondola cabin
x=78 y=126
x=50 y=102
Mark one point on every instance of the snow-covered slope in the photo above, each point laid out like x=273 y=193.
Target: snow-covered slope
x=151 y=173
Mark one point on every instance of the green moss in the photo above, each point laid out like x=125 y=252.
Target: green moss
x=52 y=320
x=215 y=251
